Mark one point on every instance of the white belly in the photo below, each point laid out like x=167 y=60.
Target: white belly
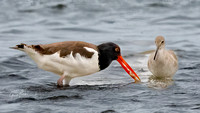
x=69 y=66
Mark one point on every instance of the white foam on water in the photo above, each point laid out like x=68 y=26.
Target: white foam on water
x=144 y=72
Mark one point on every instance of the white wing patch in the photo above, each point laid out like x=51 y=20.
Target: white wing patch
x=91 y=50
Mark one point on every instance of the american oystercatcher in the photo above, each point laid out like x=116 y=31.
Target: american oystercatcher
x=72 y=59
x=162 y=63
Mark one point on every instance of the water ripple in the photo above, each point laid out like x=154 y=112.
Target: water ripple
x=80 y=29
x=28 y=99
x=13 y=77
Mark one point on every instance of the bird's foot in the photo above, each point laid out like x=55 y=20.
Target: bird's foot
x=60 y=81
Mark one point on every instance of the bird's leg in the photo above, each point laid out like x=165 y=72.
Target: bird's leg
x=60 y=80
x=64 y=81
x=67 y=79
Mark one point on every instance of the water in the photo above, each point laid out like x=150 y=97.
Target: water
x=131 y=24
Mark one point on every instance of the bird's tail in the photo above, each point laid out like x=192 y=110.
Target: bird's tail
x=19 y=47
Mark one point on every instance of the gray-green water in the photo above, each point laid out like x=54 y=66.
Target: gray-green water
x=131 y=24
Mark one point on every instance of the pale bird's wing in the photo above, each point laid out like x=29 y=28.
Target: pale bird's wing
x=173 y=54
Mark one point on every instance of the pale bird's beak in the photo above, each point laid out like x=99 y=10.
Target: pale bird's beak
x=128 y=69
x=156 y=53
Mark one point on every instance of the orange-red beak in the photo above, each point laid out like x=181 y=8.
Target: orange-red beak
x=127 y=68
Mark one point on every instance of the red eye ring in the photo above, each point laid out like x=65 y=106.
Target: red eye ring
x=117 y=49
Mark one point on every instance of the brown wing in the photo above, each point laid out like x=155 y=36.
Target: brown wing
x=65 y=48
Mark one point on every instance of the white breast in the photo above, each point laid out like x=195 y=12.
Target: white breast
x=71 y=66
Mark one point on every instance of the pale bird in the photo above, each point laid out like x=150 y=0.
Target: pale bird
x=162 y=63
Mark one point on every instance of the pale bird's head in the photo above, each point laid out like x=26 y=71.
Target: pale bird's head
x=160 y=44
